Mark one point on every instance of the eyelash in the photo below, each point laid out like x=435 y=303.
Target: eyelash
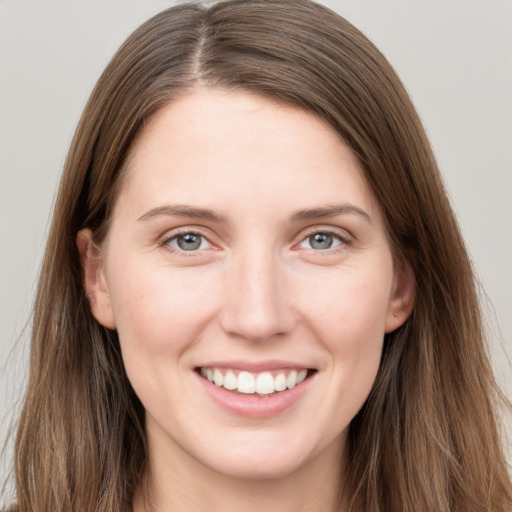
x=344 y=240
x=166 y=242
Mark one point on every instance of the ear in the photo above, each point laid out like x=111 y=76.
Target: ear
x=402 y=297
x=93 y=279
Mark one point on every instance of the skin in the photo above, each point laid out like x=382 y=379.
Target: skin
x=257 y=289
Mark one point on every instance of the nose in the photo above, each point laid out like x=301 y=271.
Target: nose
x=257 y=305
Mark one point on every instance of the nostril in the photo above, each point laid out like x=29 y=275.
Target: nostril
x=256 y=310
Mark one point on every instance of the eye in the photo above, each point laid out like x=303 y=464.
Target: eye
x=188 y=241
x=321 y=241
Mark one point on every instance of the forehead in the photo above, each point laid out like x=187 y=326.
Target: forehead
x=230 y=119
x=213 y=145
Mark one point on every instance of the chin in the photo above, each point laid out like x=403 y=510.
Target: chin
x=260 y=470
x=265 y=457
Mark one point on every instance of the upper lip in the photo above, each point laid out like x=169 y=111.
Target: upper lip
x=255 y=366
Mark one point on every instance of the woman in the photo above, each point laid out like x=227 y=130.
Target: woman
x=255 y=294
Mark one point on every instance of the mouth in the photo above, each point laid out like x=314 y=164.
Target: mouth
x=263 y=384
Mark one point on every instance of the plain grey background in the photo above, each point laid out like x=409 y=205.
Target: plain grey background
x=454 y=56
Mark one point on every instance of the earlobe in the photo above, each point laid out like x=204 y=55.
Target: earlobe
x=93 y=279
x=402 y=298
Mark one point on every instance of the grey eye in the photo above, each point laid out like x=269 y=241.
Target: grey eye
x=321 y=241
x=188 y=242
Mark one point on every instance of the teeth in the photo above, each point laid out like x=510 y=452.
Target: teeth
x=246 y=383
x=301 y=375
x=263 y=384
x=218 y=378
x=230 y=381
x=280 y=382
x=291 y=380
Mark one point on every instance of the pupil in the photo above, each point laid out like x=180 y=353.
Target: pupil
x=189 y=242
x=321 y=241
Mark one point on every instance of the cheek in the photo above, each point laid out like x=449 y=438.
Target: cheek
x=357 y=344
x=351 y=328
x=159 y=312
x=350 y=310
x=160 y=315
x=349 y=320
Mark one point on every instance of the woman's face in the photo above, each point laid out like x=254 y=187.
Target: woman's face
x=249 y=276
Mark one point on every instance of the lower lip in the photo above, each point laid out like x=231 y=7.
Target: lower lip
x=254 y=406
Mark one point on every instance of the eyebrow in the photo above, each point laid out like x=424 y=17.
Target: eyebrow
x=329 y=211
x=181 y=210
x=193 y=212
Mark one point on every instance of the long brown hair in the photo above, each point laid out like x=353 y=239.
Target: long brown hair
x=427 y=437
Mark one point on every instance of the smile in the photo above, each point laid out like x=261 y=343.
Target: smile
x=262 y=383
